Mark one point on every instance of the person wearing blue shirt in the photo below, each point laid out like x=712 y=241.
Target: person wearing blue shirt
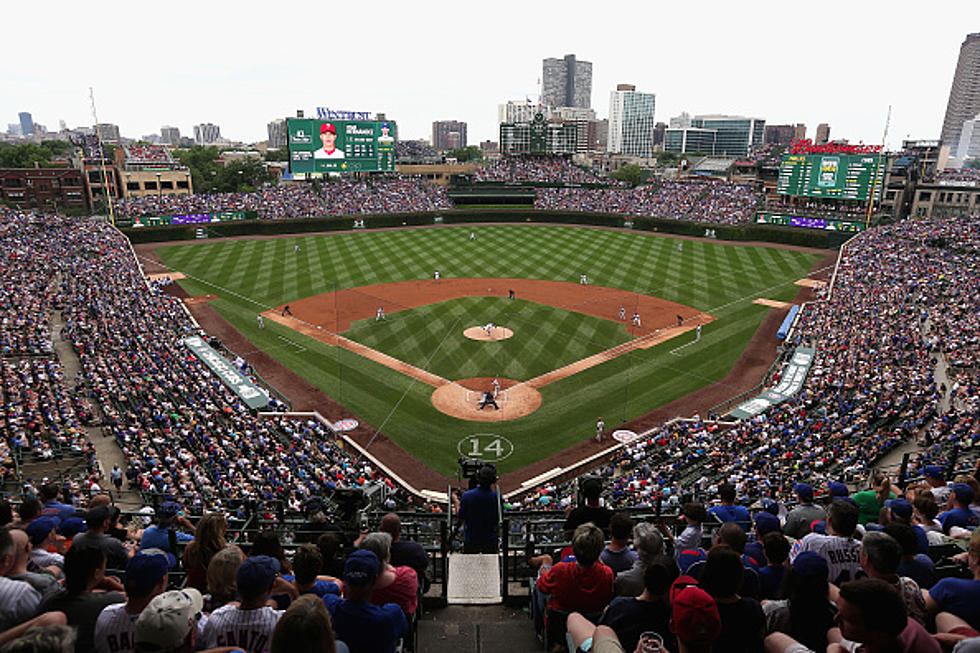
x=52 y=507
x=728 y=511
x=961 y=515
x=959 y=596
x=362 y=626
x=479 y=510
x=158 y=535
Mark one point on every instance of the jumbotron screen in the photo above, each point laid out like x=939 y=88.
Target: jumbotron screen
x=340 y=146
x=833 y=176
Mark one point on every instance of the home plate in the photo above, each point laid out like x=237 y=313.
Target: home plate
x=771 y=302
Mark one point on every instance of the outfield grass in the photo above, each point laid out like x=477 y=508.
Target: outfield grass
x=253 y=275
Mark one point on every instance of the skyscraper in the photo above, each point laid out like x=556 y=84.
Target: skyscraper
x=964 y=94
x=631 y=121
x=277 y=134
x=566 y=82
x=823 y=134
x=206 y=133
x=26 y=124
x=170 y=135
x=448 y=135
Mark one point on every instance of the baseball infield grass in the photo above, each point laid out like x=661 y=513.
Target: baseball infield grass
x=250 y=276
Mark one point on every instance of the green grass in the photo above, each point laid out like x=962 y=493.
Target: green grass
x=252 y=275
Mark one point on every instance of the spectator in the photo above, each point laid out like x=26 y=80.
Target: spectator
x=805 y=513
x=30 y=509
x=880 y=557
x=694 y=515
x=223 y=577
x=146 y=578
x=765 y=523
x=479 y=511
x=248 y=624
x=20 y=599
x=54 y=638
x=728 y=511
x=359 y=623
x=648 y=544
x=98 y=519
x=917 y=566
x=870 y=502
x=742 y=620
x=307 y=563
x=591 y=510
x=169 y=623
x=960 y=597
x=405 y=553
x=393 y=584
x=209 y=538
x=960 y=515
x=52 y=507
x=695 y=619
x=617 y=554
x=630 y=617
x=871 y=612
x=805 y=613
x=43 y=582
x=838 y=547
x=331 y=550
x=162 y=534
x=776 y=548
x=305 y=627
x=44 y=535
x=935 y=481
x=584 y=585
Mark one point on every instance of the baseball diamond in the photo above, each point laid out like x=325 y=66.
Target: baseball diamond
x=570 y=351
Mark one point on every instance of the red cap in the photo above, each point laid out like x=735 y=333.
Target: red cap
x=695 y=614
x=328 y=127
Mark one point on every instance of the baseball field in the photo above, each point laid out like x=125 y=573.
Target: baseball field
x=561 y=350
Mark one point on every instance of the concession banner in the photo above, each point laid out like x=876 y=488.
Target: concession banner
x=794 y=374
x=229 y=375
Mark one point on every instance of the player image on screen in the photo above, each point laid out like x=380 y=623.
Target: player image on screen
x=328 y=136
x=386 y=136
x=829 y=165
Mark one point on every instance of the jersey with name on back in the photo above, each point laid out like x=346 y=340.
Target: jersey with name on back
x=841 y=553
x=250 y=630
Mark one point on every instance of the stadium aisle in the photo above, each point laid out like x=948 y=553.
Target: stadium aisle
x=477 y=628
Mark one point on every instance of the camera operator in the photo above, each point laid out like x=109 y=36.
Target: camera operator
x=479 y=511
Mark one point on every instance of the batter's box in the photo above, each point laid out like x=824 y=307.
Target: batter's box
x=475 y=397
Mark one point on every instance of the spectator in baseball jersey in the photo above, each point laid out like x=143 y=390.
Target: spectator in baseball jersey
x=805 y=613
x=18 y=600
x=805 y=513
x=728 y=511
x=98 y=520
x=648 y=544
x=250 y=623
x=838 y=547
x=44 y=534
x=742 y=620
x=82 y=601
x=163 y=533
x=960 y=515
x=405 y=553
x=617 y=554
x=168 y=624
x=360 y=624
x=306 y=628
x=44 y=582
x=880 y=557
x=394 y=584
x=146 y=577
x=959 y=596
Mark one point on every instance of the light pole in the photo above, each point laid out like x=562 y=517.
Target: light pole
x=159 y=189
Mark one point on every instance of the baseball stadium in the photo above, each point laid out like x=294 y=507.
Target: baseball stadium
x=482 y=409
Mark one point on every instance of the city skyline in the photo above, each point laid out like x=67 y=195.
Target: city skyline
x=778 y=73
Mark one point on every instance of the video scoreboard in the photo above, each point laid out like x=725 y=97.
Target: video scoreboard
x=831 y=176
x=336 y=146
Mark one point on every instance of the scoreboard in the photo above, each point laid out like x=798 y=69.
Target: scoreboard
x=340 y=146
x=832 y=176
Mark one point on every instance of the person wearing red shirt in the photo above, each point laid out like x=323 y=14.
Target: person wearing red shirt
x=584 y=585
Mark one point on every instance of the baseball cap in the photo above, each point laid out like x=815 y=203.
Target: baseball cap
x=72 y=526
x=361 y=568
x=837 y=489
x=900 y=507
x=163 y=625
x=804 y=490
x=933 y=471
x=168 y=509
x=809 y=563
x=769 y=505
x=695 y=618
x=766 y=523
x=257 y=574
x=144 y=570
x=39 y=529
x=328 y=127
x=688 y=557
x=963 y=492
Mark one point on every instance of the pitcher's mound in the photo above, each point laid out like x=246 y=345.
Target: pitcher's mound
x=461 y=399
x=496 y=333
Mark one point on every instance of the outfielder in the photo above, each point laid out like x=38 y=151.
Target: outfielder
x=583 y=279
x=295 y=248
x=261 y=321
x=636 y=320
x=380 y=315
x=437 y=275
x=680 y=247
x=472 y=235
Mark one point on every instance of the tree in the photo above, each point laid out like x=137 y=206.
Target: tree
x=630 y=173
x=468 y=153
x=241 y=176
x=667 y=159
x=203 y=164
x=973 y=164
x=277 y=155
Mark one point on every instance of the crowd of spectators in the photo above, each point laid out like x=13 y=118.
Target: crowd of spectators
x=143 y=153
x=415 y=150
x=390 y=194
x=549 y=170
x=695 y=200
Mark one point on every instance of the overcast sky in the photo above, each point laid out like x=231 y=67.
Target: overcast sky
x=242 y=64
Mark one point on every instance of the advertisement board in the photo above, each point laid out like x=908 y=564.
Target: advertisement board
x=832 y=176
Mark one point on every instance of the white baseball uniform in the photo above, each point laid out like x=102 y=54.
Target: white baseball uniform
x=437 y=275
x=699 y=333
x=261 y=322
x=622 y=313
x=114 y=629
x=496 y=387
x=583 y=279
x=599 y=426
x=841 y=553
x=380 y=315
x=636 y=320
x=18 y=602
x=250 y=630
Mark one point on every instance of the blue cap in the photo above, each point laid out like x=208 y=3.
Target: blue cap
x=766 y=523
x=361 y=567
x=145 y=570
x=688 y=557
x=819 y=527
x=900 y=507
x=257 y=574
x=809 y=563
x=837 y=489
x=770 y=506
x=168 y=509
x=72 y=526
x=39 y=529
x=804 y=490
x=963 y=492
x=933 y=471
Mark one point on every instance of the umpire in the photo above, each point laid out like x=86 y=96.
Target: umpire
x=479 y=510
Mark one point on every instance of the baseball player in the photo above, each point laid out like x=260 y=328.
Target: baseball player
x=472 y=235
x=488 y=327
x=622 y=313
x=636 y=320
x=436 y=275
x=328 y=136
x=261 y=321
x=496 y=387
x=698 y=331
x=599 y=427
x=680 y=247
x=295 y=248
x=380 y=315
x=286 y=311
x=488 y=400
x=680 y=320
x=511 y=294
x=583 y=279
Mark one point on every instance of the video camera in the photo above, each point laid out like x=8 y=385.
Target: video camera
x=469 y=468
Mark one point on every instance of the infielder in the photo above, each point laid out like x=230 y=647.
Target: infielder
x=436 y=275
x=380 y=315
x=698 y=331
x=599 y=426
x=622 y=313
x=636 y=320
x=583 y=279
x=261 y=321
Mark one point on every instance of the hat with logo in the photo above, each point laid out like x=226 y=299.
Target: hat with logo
x=168 y=509
x=164 y=624
x=766 y=523
x=695 y=617
x=328 y=127
x=144 y=570
x=361 y=568
x=39 y=529
x=933 y=471
x=809 y=563
x=837 y=489
x=256 y=574
x=900 y=508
